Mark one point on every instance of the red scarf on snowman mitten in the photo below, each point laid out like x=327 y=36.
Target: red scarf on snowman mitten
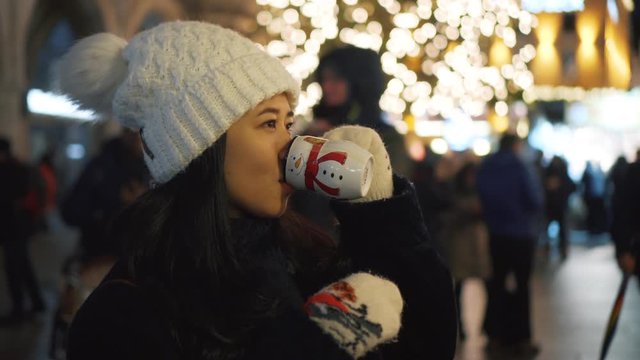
x=360 y=312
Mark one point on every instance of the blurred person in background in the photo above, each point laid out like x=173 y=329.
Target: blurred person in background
x=465 y=236
x=615 y=196
x=511 y=198
x=593 y=192
x=628 y=242
x=110 y=181
x=558 y=186
x=16 y=227
x=42 y=198
x=48 y=174
x=352 y=83
x=433 y=180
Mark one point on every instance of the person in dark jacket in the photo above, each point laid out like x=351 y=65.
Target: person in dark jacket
x=616 y=199
x=214 y=265
x=593 y=195
x=352 y=83
x=510 y=197
x=627 y=241
x=106 y=185
x=15 y=229
x=558 y=186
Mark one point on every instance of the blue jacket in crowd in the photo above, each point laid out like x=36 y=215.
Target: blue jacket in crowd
x=511 y=197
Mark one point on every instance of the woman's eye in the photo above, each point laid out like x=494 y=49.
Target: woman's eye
x=289 y=125
x=270 y=123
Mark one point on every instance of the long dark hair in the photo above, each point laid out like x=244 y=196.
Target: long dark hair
x=179 y=246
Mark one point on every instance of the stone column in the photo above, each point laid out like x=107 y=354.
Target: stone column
x=14 y=25
x=124 y=17
x=239 y=15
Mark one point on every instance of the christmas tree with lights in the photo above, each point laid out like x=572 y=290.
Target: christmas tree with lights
x=442 y=57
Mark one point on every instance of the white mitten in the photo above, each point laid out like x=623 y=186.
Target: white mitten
x=360 y=312
x=368 y=139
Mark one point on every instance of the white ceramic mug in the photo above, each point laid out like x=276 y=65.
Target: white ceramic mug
x=338 y=169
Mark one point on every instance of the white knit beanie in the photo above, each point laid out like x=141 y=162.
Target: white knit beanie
x=182 y=84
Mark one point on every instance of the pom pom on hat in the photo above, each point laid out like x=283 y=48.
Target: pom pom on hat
x=92 y=70
x=182 y=84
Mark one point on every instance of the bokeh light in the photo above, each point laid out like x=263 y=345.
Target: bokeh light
x=435 y=53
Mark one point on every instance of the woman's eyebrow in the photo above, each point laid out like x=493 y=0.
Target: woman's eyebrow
x=274 y=111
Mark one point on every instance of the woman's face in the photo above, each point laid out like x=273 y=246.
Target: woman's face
x=256 y=147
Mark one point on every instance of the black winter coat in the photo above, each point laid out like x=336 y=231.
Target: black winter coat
x=388 y=237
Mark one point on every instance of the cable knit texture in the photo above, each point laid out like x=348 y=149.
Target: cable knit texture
x=187 y=82
x=360 y=312
x=369 y=139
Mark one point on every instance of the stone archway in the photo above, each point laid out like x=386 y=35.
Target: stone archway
x=83 y=16
x=167 y=10
x=239 y=15
x=14 y=19
x=25 y=26
x=124 y=18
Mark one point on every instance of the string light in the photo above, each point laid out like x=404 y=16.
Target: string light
x=434 y=51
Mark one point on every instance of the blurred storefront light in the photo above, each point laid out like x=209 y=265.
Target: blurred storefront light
x=591 y=135
x=429 y=128
x=75 y=151
x=416 y=149
x=439 y=146
x=522 y=127
x=537 y=6
x=481 y=147
x=458 y=131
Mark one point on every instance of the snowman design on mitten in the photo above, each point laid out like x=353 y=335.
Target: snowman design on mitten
x=336 y=305
x=359 y=312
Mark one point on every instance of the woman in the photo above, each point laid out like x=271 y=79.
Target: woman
x=214 y=267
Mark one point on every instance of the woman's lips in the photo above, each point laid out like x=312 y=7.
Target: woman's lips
x=288 y=189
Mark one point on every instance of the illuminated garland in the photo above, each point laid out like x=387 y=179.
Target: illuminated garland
x=435 y=52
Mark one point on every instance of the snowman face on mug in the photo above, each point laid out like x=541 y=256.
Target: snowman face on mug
x=297 y=165
x=333 y=168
